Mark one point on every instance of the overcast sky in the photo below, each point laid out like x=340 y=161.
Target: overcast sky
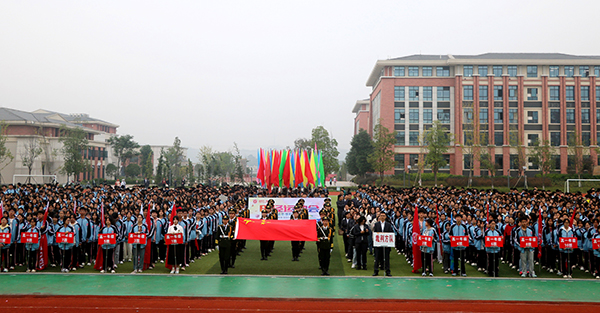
x=260 y=73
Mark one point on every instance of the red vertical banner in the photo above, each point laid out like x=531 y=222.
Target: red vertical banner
x=415 y=234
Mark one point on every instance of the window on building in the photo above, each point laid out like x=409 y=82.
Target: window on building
x=467 y=161
x=499 y=161
x=400 y=139
x=399 y=117
x=597 y=93
x=570 y=116
x=427 y=116
x=443 y=93
x=569 y=71
x=585 y=116
x=597 y=115
x=399 y=93
x=512 y=70
x=468 y=92
x=399 y=159
x=413 y=71
x=443 y=115
x=498 y=116
x=497 y=70
x=427 y=93
x=468 y=115
x=483 y=139
x=427 y=71
x=598 y=139
x=570 y=93
x=585 y=93
x=556 y=159
x=532 y=117
x=554 y=71
x=468 y=70
x=413 y=138
x=483 y=115
x=532 y=71
x=513 y=116
x=532 y=94
x=570 y=138
x=499 y=138
x=483 y=92
x=398 y=71
x=555 y=116
x=482 y=70
x=532 y=164
x=498 y=93
x=413 y=93
x=442 y=71
x=513 y=93
x=533 y=140
x=413 y=116
x=555 y=139
x=584 y=71
x=585 y=138
x=554 y=93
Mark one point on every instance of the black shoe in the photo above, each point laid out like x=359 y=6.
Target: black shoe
x=263 y=258
x=364 y=268
x=326 y=273
x=322 y=273
x=232 y=266
x=388 y=274
x=375 y=274
x=222 y=272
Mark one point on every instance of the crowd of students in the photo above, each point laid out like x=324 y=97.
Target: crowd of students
x=444 y=213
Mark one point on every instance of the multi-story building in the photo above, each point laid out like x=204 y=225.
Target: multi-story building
x=40 y=129
x=513 y=98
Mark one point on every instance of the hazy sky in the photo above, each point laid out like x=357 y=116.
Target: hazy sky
x=260 y=73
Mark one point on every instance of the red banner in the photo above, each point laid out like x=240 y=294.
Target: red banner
x=528 y=242
x=288 y=230
x=494 y=242
x=29 y=238
x=107 y=239
x=173 y=239
x=65 y=237
x=567 y=243
x=43 y=253
x=5 y=238
x=137 y=239
x=426 y=241
x=596 y=243
x=459 y=241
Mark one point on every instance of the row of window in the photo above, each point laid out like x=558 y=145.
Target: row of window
x=443 y=93
x=443 y=115
x=497 y=70
x=532 y=139
x=532 y=93
x=532 y=116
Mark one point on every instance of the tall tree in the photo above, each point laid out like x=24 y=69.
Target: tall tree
x=472 y=137
x=436 y=144
x=5 y=154
x=146 y=156
x=516 y=143
x=206 y=157
x=361 y=147
x=324 y=143
x=161 y=167
x=541 y=155
x=190 y=172
x=124 y=147
x=174 y=159
x=488 y=161
x=239 y=163
x=382 y=157
x=576 y=151
x=112 y=171
x=31 y=150
x=74 y=142
x=132 y=170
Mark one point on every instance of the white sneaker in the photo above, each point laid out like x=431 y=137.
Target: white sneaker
x=177 y=271
x=353 y=266
x=74 y=269
x=565 y=276
x=66 y=270
x=5 y=270
x=121 y=262
x=162 y=261
x=139 y=271
x=102 y=271
x=570 y=276
x=173 y=271
x=33 y=271
x=424 y=274
x=129 y=260
x=134 y=271
x=89 y=264
x=581 y=268
x=27 y=271
x=116 y=266
x=112 y=271
x=431 y=274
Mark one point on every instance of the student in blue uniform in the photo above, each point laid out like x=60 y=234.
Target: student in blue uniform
x=565 y=254
x=596 y=252
x=427 y=252
x=138 y=248
x=66 y=249
x=32 y=248
x=459 y=229
x=108 y=250
x=4 y=248
x=493 y=253
x=446 y=247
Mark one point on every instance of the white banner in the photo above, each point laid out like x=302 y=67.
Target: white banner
x=384 y=240
x=285 y=207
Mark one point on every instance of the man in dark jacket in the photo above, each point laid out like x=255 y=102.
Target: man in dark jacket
x=382 y=254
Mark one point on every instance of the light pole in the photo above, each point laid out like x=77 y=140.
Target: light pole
x=525 y=176
x=408 y=171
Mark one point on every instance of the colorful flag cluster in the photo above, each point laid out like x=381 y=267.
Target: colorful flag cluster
x=290 y=168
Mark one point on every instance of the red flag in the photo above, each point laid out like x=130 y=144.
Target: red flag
x=75 y=206
x=46 y=214
x=173 y=212
x=260 y=176
x=573 y=217
x=539 y=234
x=102 y=221
x=99 y=259
x=307 y=170
x=268 y=171
x=147 y=221
x=275 y=172
x=298 y=177
x=286 y=170
x=415 y=234
x=43 y=253
x=437 y=221
x=287 y=230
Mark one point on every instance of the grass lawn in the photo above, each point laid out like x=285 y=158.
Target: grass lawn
x=280 y=263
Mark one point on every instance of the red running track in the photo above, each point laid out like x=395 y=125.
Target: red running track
x=79 y=304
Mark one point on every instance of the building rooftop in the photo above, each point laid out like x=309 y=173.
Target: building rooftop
x=48 y=117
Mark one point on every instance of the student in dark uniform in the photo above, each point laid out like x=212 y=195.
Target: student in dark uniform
x=324 y=244
x=264 y=244
x=295 y=244
x=234 y=243
x=361 y=233
x=223 y=240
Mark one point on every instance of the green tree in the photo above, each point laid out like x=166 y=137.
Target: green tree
x=436 y=144
x=31 y=150
x=74 y=142
x=240 y=163
x=576 y=152
x=488 y=161
x=361 y=147
x=541 y=155
x=324 y=143
x=146 y=156
x=161 y=167
x=382 y=157
x=174 y=159
x=132 y=170
x=124 y=147
x=206 y=157
x=516 y=143
x=190 y=172
x=5 y=154
x=112 y=171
